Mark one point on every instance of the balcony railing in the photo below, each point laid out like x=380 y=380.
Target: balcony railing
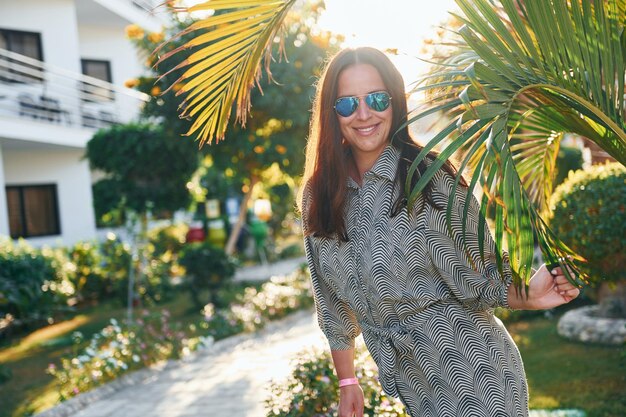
x=38 y=92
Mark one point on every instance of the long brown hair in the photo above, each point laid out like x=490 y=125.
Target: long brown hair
x=327 y=158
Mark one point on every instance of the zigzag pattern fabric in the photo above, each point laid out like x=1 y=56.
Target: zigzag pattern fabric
x=422 y=301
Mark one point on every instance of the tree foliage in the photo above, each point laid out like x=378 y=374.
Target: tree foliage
x=274 y=134
x=588 y=214
x=144 y=169
x=523 y=75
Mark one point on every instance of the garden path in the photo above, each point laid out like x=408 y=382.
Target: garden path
x=231 y=379
x=264 y=272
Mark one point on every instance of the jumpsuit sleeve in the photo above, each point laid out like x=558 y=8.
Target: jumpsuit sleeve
x=335 y=317
x=474 y=281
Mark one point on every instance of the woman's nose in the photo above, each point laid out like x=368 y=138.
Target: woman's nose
x=362 y=111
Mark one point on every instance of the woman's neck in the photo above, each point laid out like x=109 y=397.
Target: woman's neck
x=360 y=165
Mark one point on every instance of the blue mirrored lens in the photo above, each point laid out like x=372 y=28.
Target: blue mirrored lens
x=378 y=101
x=345 y=106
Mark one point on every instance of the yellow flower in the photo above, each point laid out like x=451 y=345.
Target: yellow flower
x=134 y=32
x=259 y=149
x=156 y=37
x=281 y=149
x=322 y=40
x=155 y=91
x=131 y=83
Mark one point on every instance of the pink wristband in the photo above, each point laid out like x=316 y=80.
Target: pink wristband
x=348 y=381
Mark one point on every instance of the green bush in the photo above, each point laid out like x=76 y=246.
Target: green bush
x=5 y=374
x=207 y=269
x=99 y=271
x=312 y=389
x=33 y=286
x=568 y=159
x=293 y=250
x=152 y=276
x=118 y=349
x=588 y=214
x=164 y=247
x=252 y=310
x=116 y=256
x=167 y=239
x=88 y=276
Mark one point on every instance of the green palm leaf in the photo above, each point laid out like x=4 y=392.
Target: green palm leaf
x=540 y=69
x=229 y=48
x=524 y=74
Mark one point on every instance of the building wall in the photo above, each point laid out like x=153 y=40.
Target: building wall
x=110 y=44
x=70 y=30
x=55 y=20
x=4 y=216
x=70 y=172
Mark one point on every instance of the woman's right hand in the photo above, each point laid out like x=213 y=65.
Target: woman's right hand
x=351 y=401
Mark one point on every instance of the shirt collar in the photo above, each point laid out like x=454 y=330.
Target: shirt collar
x=384 y=167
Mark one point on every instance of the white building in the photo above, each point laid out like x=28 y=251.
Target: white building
x=63 y=64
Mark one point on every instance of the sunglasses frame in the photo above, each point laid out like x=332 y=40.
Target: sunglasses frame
x=365 y=97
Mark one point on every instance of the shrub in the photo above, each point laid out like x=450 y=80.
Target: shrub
x=118 y=349
x=277 y=298
x=163 y=249
x=116 y=257
x=207 y=268
x=99 y=271
x=32 y=285
x=5 y=374
x=293 y=250
x=588 y=215
x=87 y=275
x=167 y=239
x=312 y=389
x=568 y=159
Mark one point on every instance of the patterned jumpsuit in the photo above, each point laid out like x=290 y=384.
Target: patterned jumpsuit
x=423 y=305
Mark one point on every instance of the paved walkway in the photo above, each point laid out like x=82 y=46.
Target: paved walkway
x=229 y=380
x=264 y=272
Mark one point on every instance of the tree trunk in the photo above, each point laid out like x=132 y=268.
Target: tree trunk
x=612 y=299
x=243 y=208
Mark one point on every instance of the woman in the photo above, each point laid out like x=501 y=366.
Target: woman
x=421 y=298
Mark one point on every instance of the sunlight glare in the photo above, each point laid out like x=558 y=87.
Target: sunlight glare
x=400 y=25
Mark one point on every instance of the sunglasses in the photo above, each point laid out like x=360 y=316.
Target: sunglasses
x=377 y=101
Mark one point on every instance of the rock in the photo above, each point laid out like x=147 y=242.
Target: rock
x=584 y=324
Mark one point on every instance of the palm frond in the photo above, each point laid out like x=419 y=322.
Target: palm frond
x=540 y=69
x=229 y=50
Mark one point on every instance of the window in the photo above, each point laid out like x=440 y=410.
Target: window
x=33 y=210
x=23 y=43
x=102 y=71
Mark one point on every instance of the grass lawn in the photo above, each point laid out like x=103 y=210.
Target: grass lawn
x=561 y=374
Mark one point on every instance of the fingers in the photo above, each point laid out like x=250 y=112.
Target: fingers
x=569 y=295
x=565 y=289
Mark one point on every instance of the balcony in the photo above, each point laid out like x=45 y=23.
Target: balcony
x=146 y=5
x=149 y=14
x=38 y=95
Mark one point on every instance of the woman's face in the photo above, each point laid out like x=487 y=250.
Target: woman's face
x=366 y=131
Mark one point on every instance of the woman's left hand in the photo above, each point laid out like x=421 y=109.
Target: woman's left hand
x=546 y=290
x=549 y=289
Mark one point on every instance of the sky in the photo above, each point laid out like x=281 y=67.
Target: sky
x=383 y=24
